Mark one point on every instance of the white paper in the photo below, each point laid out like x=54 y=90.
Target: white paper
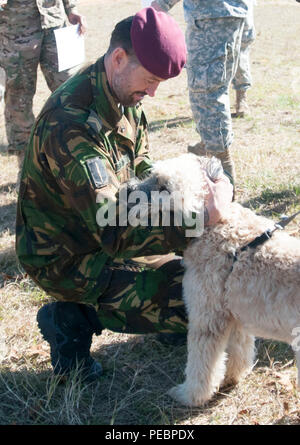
x=70 y=47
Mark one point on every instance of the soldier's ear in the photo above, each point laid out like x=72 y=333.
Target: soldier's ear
x=119 y=59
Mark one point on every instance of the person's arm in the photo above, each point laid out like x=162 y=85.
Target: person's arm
x=85 y=173
x=86 y=177
x=73 y=16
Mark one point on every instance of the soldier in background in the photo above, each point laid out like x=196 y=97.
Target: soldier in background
x=90 y=138
x=213 y=36
x=27 y=40
x=242 y=80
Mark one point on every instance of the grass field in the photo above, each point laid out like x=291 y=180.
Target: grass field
x=138 y=369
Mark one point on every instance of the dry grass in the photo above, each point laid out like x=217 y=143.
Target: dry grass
x=138 y=370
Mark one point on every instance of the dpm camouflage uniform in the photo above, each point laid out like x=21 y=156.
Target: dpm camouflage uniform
x=213 y=38
x=243 y=79
x=82 y=147
x=27 y=40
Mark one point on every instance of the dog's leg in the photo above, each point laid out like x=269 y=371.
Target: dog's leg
x=206 y=361
x=241 y=354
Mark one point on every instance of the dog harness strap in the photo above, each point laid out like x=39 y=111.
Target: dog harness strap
x=268 y=233
x=285 y=220
x=256 y=242
x=259 y=240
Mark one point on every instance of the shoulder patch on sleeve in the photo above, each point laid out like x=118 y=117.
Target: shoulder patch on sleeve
x=97 y=172
x=94 y=122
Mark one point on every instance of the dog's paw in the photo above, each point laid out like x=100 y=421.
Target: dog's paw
x=233 y=378
x=181 y=395
x=229 y=381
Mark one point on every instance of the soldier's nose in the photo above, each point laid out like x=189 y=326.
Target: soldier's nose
x=151 y=90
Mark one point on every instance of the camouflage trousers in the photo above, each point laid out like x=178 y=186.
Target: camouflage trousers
x=243 y=78
x=213 y=52
x=144 y=298
x=141 y=295
x=20 y=59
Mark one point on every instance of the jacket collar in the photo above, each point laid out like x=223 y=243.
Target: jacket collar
x=105 y=103
x=113 y=116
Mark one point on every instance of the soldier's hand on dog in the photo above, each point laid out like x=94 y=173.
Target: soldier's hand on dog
x=219 y=196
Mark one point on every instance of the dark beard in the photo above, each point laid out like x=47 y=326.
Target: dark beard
x=125 y=100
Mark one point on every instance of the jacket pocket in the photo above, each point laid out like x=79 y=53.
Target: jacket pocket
x=209 y=75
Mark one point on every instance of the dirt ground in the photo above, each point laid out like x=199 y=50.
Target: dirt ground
x=138 y=370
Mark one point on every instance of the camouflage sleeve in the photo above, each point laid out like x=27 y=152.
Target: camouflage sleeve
x=90 y=187
x=165 y=5
x=143 y=162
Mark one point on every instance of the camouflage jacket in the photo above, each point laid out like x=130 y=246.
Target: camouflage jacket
x=20 y=13
x=201 y=9
x=82 y=147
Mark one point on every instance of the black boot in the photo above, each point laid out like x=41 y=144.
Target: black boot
x=69 y=327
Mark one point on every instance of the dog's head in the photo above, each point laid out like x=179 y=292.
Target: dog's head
x=183 y=178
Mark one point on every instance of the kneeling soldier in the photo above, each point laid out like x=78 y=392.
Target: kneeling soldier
x=90 y=137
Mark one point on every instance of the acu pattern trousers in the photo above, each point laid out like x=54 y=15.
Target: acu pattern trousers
x=213 y=52
x=243 y=78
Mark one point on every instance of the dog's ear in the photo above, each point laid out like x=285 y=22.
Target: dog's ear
x=162 y=184
x=212 y=166
x=214 y=169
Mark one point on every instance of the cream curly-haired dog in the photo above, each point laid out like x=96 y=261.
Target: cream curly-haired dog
x=231 y=295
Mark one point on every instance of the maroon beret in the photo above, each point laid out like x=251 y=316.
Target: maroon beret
x=158 y=43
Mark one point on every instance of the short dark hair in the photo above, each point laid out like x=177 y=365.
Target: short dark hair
x=120 y=36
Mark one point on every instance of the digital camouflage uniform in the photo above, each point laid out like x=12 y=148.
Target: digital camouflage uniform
x=82 y=147
x=243 y=79
x=27 y=40
x=213 y=38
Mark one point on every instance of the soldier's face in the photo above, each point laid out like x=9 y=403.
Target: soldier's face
x=131 y=82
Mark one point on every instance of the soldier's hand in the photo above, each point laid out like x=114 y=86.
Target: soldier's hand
x=77 y=19
x=218 y=198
